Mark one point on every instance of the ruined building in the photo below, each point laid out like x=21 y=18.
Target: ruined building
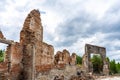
x=86 y=62
x=33 y=59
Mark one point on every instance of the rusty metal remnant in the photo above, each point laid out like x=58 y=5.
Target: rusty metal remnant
x=92 y=49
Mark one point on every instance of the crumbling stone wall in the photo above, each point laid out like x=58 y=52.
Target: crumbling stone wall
x=59 y=58
x=44 y=58
x=31 y=58
x=95 y=50
x=39 y=54
x=66 y=56
x=63 y=58
x=31 y=37
x=15 y=61
x=73 y=59
x=11 y=68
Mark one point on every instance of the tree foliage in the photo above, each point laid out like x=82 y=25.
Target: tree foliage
x=97 y=63
x=118 y=67
x=2 y=52
x=79 y=59
x=113 y=67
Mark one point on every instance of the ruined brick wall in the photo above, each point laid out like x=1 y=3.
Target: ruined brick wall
x=31 y=38
x=5 y=65
x=87 y=65
x=38 y=53
x=66 y=56
x=73 y=59
x=58 y=58
x=45 y=58
x=11 y=67
x=15 y=61
x=32 y=58
x=63 y=58
x=32 y=31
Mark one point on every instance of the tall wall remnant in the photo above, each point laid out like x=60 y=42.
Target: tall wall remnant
x=39 y=54
x=92 y=49
x=30 y=58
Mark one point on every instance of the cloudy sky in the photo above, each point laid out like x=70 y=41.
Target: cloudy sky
x=68 y=24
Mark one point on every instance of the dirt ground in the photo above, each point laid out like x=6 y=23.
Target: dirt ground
x=108 y=78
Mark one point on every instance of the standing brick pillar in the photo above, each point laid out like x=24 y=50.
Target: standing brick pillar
x=31 y=36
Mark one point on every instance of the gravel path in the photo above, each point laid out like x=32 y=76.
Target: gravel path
x=110 y=78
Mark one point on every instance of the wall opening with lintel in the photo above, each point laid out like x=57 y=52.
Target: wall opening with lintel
x=87 y=64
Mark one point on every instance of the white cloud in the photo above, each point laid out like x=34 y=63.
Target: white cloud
x=59 y=12
x=98 y=7
x=50 y=20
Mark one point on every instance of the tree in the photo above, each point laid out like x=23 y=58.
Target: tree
x=97 y=63
x=118 y=67
x=2 y=55
x=113 y=68
x=108 y=60
x=79 y=59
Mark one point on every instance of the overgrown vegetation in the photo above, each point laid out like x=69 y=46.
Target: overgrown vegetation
x=114 y=67
x=79 y=60
x=98 y=64
x=2 y=53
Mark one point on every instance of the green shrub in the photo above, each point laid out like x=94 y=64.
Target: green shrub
x=2 y=53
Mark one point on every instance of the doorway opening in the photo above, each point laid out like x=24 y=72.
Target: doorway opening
x=97 y=63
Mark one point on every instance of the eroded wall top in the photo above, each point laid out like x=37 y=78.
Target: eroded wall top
x=32 y=30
